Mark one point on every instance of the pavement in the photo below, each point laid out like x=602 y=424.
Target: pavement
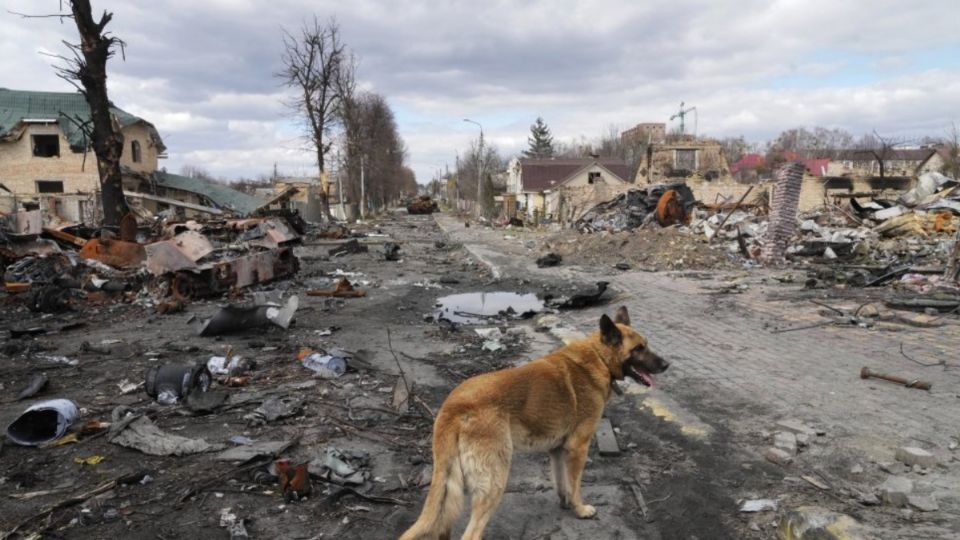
x=734 y=374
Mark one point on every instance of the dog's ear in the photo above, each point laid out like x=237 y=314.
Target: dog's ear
x=622 y=317
x=609 y=333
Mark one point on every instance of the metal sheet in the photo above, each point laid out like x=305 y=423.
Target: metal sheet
x=180 y=253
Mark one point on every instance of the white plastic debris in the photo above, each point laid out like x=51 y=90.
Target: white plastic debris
x=759 y=505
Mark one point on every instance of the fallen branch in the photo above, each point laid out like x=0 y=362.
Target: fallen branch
x=831 y=308
x=638 y=495
x=207 y=483
x=73 y=501
x=425 y=406
x=403 y=375
x=337 y=495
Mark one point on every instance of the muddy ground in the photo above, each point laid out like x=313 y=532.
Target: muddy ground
x=690 y=486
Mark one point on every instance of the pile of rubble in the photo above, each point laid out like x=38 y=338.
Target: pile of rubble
x=914 y=233
x=667 y=204
x=146 y=262
x=912 y=237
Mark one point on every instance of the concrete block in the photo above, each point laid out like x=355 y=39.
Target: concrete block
x=923 y=503
x=912 y=455
x=778 y=456
x=786 y=441
x=894 y=490
x=606 y=439
x=796 y=426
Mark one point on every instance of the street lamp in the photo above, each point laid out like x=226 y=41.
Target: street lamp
x=479 y=168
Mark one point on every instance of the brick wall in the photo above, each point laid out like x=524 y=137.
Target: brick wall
x=20 y=169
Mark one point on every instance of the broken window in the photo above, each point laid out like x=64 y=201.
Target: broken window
x=49 y=186
x=135 y=151
x=685 y=160
x=594 y=177
x=46 y=145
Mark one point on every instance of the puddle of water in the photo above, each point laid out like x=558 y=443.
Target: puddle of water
x=481 y=308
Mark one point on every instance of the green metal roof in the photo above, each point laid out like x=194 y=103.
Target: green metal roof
x=219 y=194
x=64 y=107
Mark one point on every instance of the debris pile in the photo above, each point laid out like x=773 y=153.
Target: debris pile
x=60 y=267
x=668 y=204
x=886 y=238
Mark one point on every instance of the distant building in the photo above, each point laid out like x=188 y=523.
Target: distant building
x=681 y=159
x=896 y=162
x=645 y=133
x=309 y=192
x=538 y=182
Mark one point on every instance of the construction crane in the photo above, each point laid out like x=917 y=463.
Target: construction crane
x=683 y=112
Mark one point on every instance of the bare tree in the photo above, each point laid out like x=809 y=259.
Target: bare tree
x=950 y=151
x=194 y=171
x=374 y=151
x=314 y=64
x=818 y=142
x=87 y=71
x=882 y=149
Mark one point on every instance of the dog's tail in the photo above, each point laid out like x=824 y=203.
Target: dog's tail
x=445 y=499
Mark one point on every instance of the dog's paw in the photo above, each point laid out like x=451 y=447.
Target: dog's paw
x=564 y=502
x=585 y=511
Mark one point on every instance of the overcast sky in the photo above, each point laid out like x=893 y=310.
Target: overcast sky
x=201 y=71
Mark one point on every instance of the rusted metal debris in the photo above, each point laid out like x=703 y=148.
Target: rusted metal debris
x=343 y=289
x=221 y=276
x=188 y=259
x=867 y=373
x=180 y=253
x=671 y=209
x=116 y=253
x=423 y=205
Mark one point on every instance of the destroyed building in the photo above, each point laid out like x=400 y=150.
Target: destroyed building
x=46 y=162
x=683 y=158
x=44 y=152
x=896 y=162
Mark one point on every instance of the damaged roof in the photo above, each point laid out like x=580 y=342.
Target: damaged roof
x=219 y=194
x=66 y=108
x=545 y=174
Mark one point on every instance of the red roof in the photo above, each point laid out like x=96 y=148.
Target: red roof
x=544 y=174
x=747 y=162
x=816 y=166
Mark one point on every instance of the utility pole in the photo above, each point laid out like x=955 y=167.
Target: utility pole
x=363 y=191
x=479 y=169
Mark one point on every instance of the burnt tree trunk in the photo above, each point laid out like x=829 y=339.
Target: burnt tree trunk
x=91 y=70
x=324 y=194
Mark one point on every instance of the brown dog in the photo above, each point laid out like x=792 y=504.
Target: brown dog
x=549 y=405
